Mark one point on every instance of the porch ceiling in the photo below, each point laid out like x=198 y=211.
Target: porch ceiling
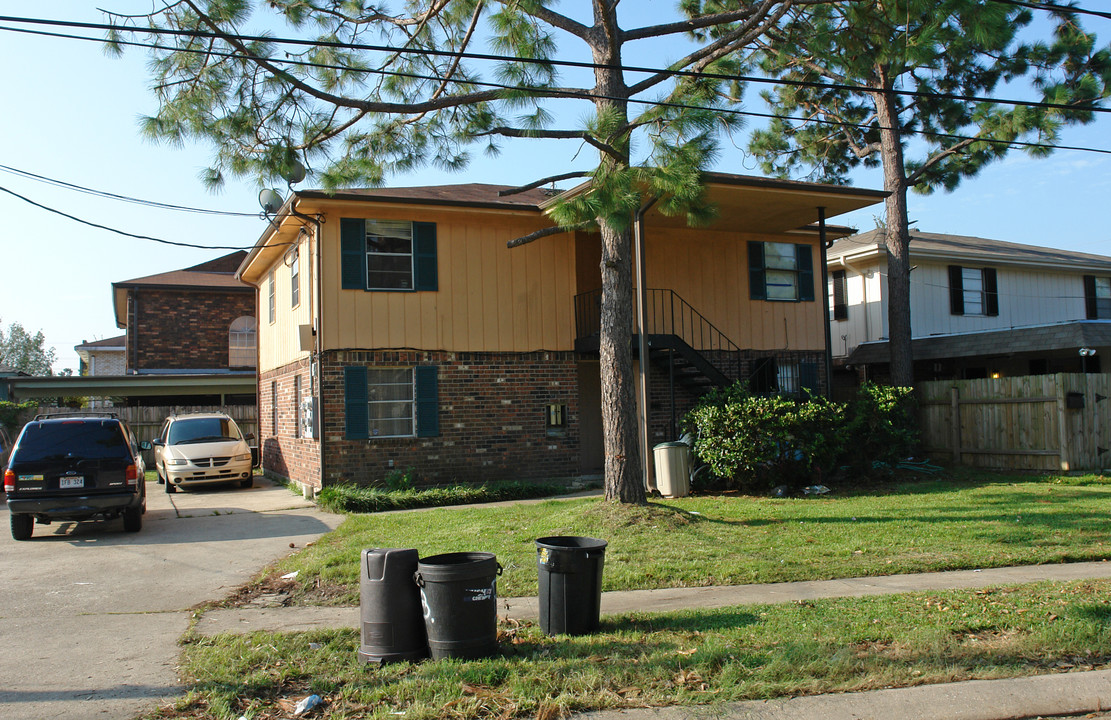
x=761 y=205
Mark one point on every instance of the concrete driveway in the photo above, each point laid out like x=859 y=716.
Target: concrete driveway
x=90 y=616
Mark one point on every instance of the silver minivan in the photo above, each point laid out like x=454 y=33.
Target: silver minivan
x=202 y=449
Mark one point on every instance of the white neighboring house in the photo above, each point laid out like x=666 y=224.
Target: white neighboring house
x=979 y=308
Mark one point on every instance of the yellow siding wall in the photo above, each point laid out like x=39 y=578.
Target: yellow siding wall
x=491 y=298
x=278 y=342
x=709 y=269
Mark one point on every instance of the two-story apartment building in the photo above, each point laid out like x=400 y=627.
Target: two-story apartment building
x=399 y=331
x=979 y=307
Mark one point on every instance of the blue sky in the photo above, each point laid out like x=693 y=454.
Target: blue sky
x=71 y=113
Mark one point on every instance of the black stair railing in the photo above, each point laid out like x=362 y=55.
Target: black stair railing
x=667 y=314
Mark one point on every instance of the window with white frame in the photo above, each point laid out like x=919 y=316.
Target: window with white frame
x=389 y=254
x=270 y=293
x=390 y=402
x=295 y=277
x=242 y=342
x=787 y=375
x=973 y=291
x=782 y=272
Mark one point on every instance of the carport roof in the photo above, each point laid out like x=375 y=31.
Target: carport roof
x=1061 y=336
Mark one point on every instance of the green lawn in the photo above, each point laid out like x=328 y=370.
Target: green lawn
x=928 y=525
x=686 y=658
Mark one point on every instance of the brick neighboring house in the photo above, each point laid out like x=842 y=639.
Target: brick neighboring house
x=398 y=331
x=103 y=357
x=198 y=320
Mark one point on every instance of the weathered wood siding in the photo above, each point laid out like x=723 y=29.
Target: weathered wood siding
x=1037 y=422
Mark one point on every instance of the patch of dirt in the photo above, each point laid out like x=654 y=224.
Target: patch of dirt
x=276 y=591
x=617 y=516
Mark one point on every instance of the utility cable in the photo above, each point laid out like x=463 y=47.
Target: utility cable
x=123 y=232
x=582 y=95
x=539 y=61
x=123 y=198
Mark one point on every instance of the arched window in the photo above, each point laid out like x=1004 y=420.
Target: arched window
x=242 y=340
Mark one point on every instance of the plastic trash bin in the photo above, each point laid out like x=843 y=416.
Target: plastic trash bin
x=570 y=579
x=459 y=595
x=673 y=469
x=392 y=627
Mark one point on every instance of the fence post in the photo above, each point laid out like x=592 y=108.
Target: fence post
x=1062 y=422
x=955 y=425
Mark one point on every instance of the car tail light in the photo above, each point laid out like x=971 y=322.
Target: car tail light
x=9 y=481
x=131 y=474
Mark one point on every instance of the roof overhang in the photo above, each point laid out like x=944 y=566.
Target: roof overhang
x=21 y=388
x=1041 y=338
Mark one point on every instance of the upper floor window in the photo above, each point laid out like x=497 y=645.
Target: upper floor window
x=973 y=291
x=295 y=277
x=388 y=255
x=270 y=294
x=242 y=341
x=780 y=271
x=1097 y=297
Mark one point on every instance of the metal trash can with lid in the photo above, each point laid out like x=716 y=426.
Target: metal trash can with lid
x=673 y=469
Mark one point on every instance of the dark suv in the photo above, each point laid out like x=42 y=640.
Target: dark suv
x=75 y=467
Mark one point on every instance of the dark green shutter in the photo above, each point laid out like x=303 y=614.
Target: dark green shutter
x=356 y=413
x=956 y=290
x=991 y=292
x=840 y=301
x=428 y=401
x=352 y=243
x=425 y=272
x=805 y=263
x=757 y=286
x=1091 y=307
x=809 y=379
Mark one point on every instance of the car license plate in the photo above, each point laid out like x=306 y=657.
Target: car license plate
x=71 y=482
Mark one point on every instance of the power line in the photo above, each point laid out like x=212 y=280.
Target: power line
x=539 y=61
x=582 y=95
x=123 y=232
x=123 y=198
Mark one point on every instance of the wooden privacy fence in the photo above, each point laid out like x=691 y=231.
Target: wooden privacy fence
x=1037 y=422
x=145 y=422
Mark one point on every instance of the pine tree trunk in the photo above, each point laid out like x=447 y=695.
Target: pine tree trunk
x=897 y=239
x=623 y=476
x=624 y=480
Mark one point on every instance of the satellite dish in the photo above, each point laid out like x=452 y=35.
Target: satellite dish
x=295 y=173
x=270 y=200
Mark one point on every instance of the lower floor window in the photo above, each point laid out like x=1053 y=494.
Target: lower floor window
x=390 y=402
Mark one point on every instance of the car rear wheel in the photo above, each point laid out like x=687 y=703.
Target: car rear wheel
x=133 y=520
x=22 y=527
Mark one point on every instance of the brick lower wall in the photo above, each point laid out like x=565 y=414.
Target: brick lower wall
x=492 y=411
x=284 y=453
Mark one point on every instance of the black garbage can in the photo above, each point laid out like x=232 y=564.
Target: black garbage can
x=392 y=626
x=459 y=592
x=570 y=570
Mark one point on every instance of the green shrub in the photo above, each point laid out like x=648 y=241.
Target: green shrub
x=754 y=442
x=13 y=415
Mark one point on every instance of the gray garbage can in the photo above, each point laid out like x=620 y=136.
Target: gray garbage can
x=673 y=469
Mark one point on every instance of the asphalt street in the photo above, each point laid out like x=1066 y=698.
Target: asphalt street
x=90 y=615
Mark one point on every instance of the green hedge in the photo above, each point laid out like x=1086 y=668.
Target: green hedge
x=752 y=442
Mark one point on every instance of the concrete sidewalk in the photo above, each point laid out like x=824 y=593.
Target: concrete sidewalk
x=1086 y=694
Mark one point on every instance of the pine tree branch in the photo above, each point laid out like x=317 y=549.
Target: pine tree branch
x=543 y=181
x=546 y=232
x=553 y=135
x=915 y=176
x=559 y=21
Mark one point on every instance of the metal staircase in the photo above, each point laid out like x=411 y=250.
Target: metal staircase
x=698 y=355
